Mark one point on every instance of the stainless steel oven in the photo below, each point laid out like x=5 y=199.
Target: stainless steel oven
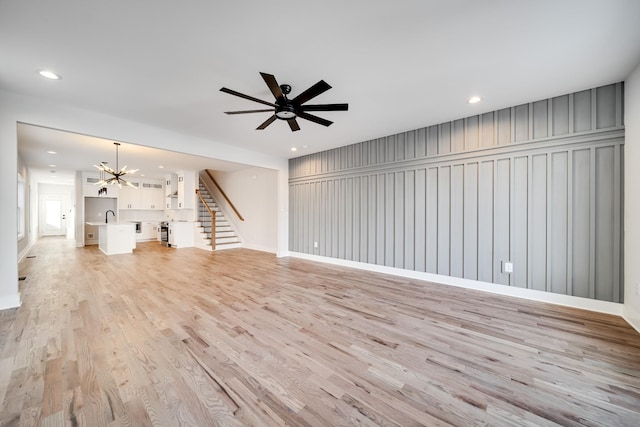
x=164 y=233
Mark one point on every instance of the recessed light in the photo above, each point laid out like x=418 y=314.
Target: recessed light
x=52 y=152
x=294 y=149
x=52 y=166
x=161 y=167
x=49 y=74
x=474 y=100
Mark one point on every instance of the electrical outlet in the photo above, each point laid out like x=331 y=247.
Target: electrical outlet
x=315 y=245
x=507 y=267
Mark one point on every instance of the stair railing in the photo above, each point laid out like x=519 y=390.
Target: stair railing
x=224 y=195
x=213 y=220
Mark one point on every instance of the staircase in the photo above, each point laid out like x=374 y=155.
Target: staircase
x=226 y=237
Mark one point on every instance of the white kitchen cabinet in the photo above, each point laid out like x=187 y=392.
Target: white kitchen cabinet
x=171 y=192
x=116 y=238
x=145 y=195
x=152 y=196
x=181 y=234
x=90 y=189
x=129 y=197
x=148 y=231
x=186 y=189
x=171 y=185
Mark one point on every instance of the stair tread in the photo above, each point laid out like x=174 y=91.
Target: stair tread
x=224 y=234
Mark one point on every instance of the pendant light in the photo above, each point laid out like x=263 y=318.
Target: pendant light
x=102 y=191
x=116 y=173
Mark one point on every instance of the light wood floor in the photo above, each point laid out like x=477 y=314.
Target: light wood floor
x=171 y=337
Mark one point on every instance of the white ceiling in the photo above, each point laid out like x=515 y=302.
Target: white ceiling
x=400 y=65
x=80 y=152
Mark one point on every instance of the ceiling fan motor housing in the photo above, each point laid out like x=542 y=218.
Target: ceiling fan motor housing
x=286 y=89
x=285 y=111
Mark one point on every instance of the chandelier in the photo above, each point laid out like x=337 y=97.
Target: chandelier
x=116 y=173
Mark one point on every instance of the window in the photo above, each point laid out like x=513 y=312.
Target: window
x=21 y=204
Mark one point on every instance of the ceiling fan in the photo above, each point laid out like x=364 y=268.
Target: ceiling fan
x=289 y=109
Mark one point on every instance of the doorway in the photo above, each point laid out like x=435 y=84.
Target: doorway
x=53 y=215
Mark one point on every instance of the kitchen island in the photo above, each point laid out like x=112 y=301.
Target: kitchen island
x=116 y=237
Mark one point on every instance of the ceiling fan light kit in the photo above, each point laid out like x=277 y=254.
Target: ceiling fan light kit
x=289 y=109
x=116 y=173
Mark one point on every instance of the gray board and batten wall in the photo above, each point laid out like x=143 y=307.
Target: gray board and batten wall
x=538 y=184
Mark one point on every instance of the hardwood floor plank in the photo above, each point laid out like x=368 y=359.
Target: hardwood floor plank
x=168 y=337
x=53 y=384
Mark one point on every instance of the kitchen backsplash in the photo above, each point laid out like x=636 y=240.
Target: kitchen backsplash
x=141 y=215
x=178 y=215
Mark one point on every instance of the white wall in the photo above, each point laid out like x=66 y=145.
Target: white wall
x=9 y=296
x=632 y=200
x=248 y=189
x=16 y=108
x=30 y=209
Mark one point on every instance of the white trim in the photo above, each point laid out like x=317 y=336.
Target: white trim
x=10 y=301
x=632 y=317
x=260 y=248
x=606 y=307
x=26 y=250
x=633 y=324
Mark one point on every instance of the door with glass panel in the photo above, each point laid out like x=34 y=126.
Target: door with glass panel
x=53 y=216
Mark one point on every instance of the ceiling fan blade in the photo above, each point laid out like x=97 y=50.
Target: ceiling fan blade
x=266 y=122
x=293 y=124
x=325 y=107
x=269 y=110
x=313 y=118
x=273 y=85
x=242 y=95
x=312 y=92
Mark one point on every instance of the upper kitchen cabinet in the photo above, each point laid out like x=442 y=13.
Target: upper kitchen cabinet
x=180 y=190
x=186 y=189
x=129 y=196
x=90 y=189
x=142 y=195
x=171 y=186
x=171 y=192
x=152 y=196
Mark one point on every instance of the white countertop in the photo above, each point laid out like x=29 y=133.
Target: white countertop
x=112 y=223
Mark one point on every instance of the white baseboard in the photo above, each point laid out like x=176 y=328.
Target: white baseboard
x=282 y=254
x=26 y=250
x=10 y=301
x=632 y=317
x=204 y=248
x=259 y=248
x=530 y=294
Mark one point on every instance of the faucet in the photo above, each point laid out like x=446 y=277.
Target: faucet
x=106 y=215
